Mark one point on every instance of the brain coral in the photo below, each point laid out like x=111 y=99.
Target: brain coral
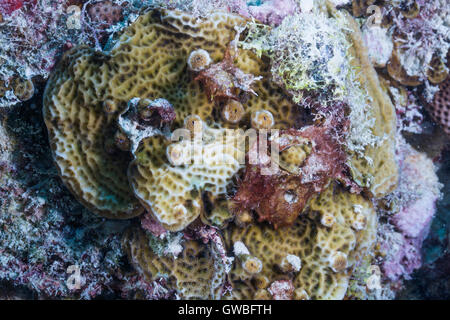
x=327 y=253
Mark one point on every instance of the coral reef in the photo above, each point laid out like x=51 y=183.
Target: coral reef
x=193 y=273
x=332 y=75
x=197 y=149
x=279 y=198
x=45 y=230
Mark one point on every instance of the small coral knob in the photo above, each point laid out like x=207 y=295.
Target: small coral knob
x=262 y=294
x=194 y=124
x=291 y=263
x=177 y=154
x=198 y=60
x=261 y=282
x=243 y=217
x=327 y=220
x=300 y=294
x=23 y=88
x=262 y=119
x=437 y=72
x=338 y=261
x=110 y=106
x=360 y=222
x=233 y=111
x=252 y=265
x=179 y=210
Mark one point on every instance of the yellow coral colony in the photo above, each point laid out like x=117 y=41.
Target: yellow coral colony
x=149 y=61
x=79 y=131
x=377 y=169
x=156 y=57
x=326 y=253
x=152 y=58
x=196 y=273
x=169 y=177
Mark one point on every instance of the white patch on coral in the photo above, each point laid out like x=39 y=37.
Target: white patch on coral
x=174 y=247
x=357 y=208
x=130 y=126
x=240 y=249
x=294 y=261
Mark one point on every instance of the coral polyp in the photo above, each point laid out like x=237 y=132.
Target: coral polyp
x=198 y=60
x=230 y=150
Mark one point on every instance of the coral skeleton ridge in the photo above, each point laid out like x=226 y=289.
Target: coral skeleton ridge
x=381 y=169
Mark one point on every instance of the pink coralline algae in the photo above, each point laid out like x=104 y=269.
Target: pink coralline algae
x=9 y=6
x=149 y=224
x=416 y=197
x=420 y=181
x=403 y=256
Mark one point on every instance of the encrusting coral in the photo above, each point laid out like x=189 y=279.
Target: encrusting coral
x=170 y=177
x=77 y=87
x=115 y=101
x=339 y=70
x=137 y=55
x=378 y=168
x=326 y=254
